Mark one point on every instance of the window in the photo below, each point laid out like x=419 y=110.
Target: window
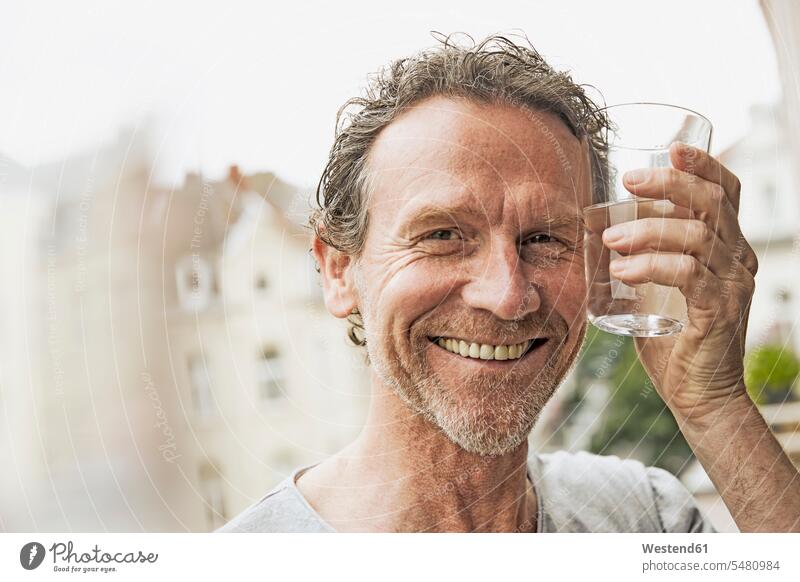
x=211 y=488
x=195 y=281
x=202 y=398
x=269 y=374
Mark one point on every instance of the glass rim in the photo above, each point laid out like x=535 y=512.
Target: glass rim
x=697 y=114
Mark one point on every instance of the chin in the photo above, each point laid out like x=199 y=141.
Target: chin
x=488 y=423
x=485 y=437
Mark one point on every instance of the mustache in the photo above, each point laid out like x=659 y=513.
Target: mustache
x=472 y=324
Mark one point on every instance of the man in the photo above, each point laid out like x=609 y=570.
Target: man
x=450 y=233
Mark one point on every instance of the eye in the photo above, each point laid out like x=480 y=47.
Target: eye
x=443 y=242
x=542 y=246
x=444 y=234
x=541 y=237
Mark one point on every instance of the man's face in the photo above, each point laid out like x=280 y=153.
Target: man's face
x=471 y=280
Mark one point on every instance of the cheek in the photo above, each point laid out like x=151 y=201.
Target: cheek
x=403 y=295
x=568 y=293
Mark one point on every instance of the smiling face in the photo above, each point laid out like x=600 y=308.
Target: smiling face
x=471 y=279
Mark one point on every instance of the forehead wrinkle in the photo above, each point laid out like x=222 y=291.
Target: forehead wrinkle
x=550 y=150
x=478 y=161
x=502 y=148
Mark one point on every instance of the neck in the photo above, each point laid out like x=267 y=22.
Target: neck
x=404 y=474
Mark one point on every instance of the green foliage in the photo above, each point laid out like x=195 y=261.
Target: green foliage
x=635 y=422
x=769 y=373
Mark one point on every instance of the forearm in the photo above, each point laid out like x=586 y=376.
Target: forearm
x=748 y=466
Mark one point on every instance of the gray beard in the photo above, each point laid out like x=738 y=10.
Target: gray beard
x=491 y=417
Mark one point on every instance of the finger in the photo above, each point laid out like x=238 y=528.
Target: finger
x=743 y=254
x=672 y=235
x=706 y=199
x=701 y=288
x=700 y=163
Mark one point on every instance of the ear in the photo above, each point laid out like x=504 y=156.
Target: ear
x=336 y=273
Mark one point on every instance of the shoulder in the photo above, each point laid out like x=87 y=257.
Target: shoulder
x=585 y=492
x=282 y=510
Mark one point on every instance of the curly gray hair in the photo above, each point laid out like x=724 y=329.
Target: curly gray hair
x=495 y=69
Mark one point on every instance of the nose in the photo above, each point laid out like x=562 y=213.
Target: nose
x=499 y=284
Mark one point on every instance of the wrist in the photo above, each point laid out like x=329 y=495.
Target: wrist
x=727 y=413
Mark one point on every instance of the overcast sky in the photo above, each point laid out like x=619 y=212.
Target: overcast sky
x=259 y=83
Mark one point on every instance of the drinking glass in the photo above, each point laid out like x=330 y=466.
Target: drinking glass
x=640 y=138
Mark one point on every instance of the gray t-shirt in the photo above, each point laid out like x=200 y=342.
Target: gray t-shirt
x=576 y=492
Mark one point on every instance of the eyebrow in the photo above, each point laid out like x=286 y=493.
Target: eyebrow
x=428 y=214
x=561 y=220
x=434 y=213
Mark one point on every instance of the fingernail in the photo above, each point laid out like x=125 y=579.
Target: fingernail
x=614 y=233
x=636 y=176
x=685 y=150
x=618 y=266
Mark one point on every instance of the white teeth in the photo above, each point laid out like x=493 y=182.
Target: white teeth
x=484 y=351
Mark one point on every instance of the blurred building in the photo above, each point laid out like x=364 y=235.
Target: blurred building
x=165 y=353
x=768 y=211
x=270 y=382
x=783 y=20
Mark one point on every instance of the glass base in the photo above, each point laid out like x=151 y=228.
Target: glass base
x=638 y=325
